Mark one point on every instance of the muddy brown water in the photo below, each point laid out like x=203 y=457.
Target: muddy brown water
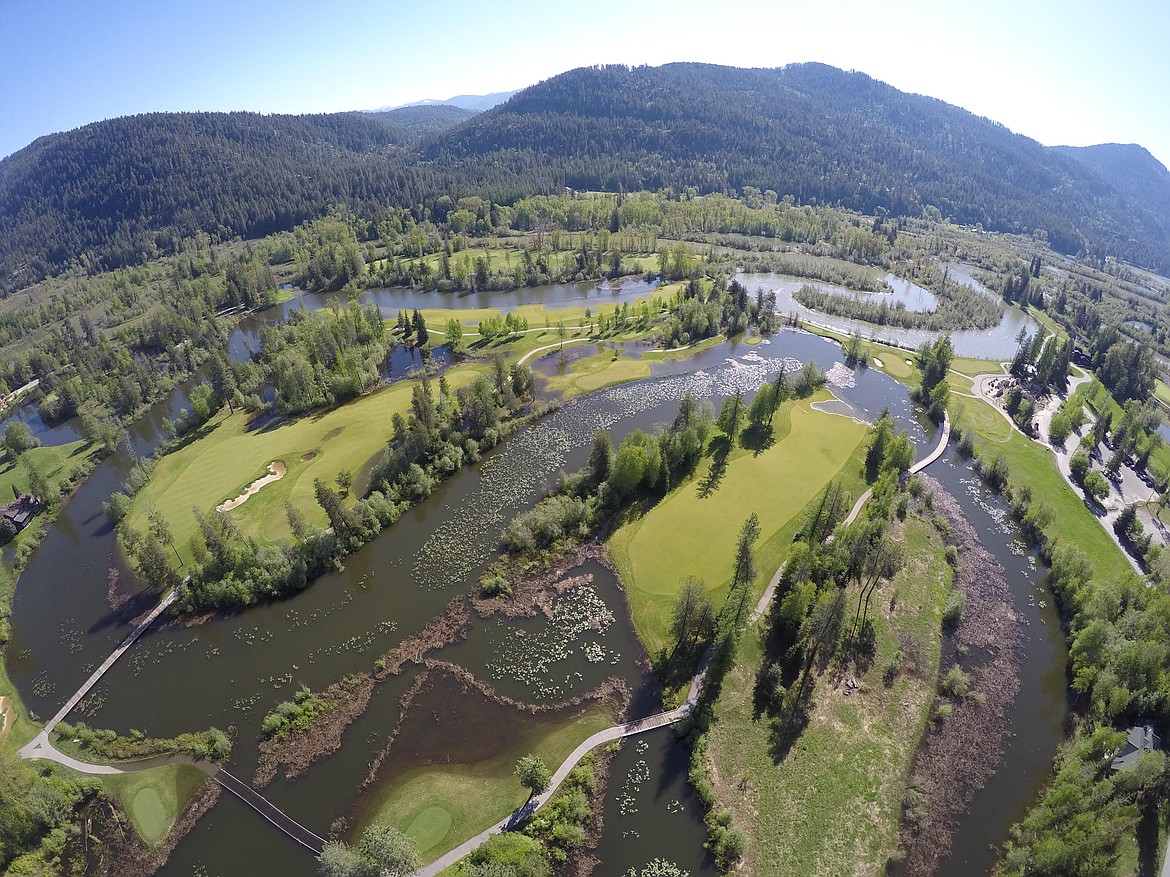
x=233 y=669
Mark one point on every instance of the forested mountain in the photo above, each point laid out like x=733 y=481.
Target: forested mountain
x=115 y=192
x=1131 y=170
x=424 y=119
x=809 y=130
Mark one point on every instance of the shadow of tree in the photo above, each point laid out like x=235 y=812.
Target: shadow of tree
x=1147 y=838
x=790 y=724
x=757 y=438
x=720 y=447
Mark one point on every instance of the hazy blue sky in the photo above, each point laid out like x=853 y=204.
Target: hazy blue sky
x=1070 y=72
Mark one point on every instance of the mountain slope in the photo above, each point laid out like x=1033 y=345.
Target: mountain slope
x=1131 y=170
x=818 y=133
x=424 y=119
x=114 y=192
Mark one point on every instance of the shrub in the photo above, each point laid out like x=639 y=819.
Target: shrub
x=957 y=683
x=953 y=610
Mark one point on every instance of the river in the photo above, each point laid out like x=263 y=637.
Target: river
x=231 y=670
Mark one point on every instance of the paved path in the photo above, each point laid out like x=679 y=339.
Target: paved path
x=5 y=401
x=629 y=729
x=531 y=353
x=270 y=812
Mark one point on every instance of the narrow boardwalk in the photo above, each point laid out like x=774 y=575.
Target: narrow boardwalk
x=270 y=812
x=629 y=729
x=939 y=449
x=649 y=723
x=41 y=748
x=130 y=639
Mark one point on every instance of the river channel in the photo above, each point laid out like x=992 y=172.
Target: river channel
x=231 y=670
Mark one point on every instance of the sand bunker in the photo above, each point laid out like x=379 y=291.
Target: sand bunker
x=276 y=471
x=7 y=716
x=878 y=362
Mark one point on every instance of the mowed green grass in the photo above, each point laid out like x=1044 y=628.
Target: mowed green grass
x=833 y=805
x=687 y=534
x=227 y=457
x=440 y=806
x=154 y=798
x=1161 y=391
x=1035 y=465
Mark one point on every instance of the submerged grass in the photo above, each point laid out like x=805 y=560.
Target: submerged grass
x=440 y=806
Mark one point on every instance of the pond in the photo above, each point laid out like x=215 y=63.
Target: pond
x=999 y=342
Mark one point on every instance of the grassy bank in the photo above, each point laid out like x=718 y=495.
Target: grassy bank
x=832 y=805
x=440 y=806
x=55 y=463
x=692 y=532
x=1034 y=464
x=154 y=798
x=226 y=457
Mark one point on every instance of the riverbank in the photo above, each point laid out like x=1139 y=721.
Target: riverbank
x=958 y=758
x=831 y=803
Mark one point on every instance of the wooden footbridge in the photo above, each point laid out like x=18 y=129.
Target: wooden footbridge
x=270 y=812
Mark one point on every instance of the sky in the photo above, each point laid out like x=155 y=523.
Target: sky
x=1072 y=72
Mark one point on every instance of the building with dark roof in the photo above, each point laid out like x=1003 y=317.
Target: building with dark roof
x=21 y=510
x=1139 y=739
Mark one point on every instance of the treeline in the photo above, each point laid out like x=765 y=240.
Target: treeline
x=1127 y=369
x=442 y=432
x=212 y=744
x=1119 y=663
x=37 y=812
x=315 y=359
x=958 y=307
x=724 y=308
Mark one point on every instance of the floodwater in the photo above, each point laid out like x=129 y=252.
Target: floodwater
x=994 y=343
x=1039 y=718
x=231 y=670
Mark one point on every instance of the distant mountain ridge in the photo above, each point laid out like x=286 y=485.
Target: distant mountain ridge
x=810 y=130
x=117 y=192
x=476 y=102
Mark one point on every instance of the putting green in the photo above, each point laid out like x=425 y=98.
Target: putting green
x=150 y=815
x=429 y=826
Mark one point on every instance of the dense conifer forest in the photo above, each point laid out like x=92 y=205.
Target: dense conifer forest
x=116 y=193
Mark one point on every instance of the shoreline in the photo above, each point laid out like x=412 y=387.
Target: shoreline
x=956 y=760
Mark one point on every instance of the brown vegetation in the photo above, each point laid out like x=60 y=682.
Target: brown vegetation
x=958 y=759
